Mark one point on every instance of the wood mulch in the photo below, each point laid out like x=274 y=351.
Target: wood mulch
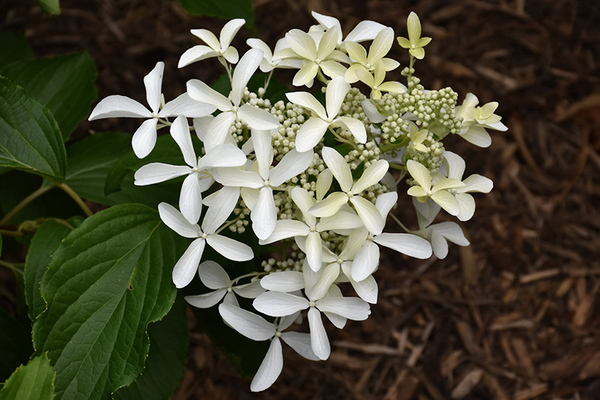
x=513 y=316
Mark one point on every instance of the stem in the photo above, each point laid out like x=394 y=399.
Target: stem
x=399 y=223
x=12 y=267
x=24 y=202
x=78 y=200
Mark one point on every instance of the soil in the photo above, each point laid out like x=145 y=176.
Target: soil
x=513 y=316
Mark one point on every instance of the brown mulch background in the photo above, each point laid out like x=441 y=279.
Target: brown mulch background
x=513 y=316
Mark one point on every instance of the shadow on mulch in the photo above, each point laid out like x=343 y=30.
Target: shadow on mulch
x=513 y=316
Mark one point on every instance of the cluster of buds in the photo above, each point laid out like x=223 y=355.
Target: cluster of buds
x=313 y=178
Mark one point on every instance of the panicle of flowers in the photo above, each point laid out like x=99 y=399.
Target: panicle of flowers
x=310 y=180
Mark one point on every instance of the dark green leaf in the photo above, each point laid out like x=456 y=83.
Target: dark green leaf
x=52 y=7
x=32 y=381
x=222 y=9
x=91 y=160
x=0 y=245
x=13 y=47
x=15 y=344
x=45 y=242
x=64 y=84
x=30 y=139
x=107 y=281
x=166 y=360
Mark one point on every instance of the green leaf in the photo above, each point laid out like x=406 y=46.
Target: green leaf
x=45 y=242
x=222 y=9
x=52 y=7
x=15 y=344
x=109 y=278
x=31 y=381
x=13 y=47
x=30 y=139
x=0 y=244
x=166 y=361
x=64 y=84
x=92 y=159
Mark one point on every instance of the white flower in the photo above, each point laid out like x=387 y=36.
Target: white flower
x=439 y=192
x=144 y=138
x=379 y=48
x=279 y=304
x=477 y=119
x=415 y=42
x=214 y=277
x=276 y=59
x=365 y=30
x=263 y=210
x=367 y=259
x=216 y=47
x=257 y=328
x=351 y=190
x=198 y=177
x=187 y=265
x=310 y=228
x=312 y=130
x=474 y=183
x=230 y=108
x=316 y=56
x=375 y=81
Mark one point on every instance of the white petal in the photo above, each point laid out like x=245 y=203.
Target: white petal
x=206 y=300
x=196 y=53
x=439 y=245
x=334 y=69
x=310 y=134
x=314 y=250
x=328 y=42
x=348 y=307
x=307 y=101
x=338 y=167
x=176 y=221
x=230 y=248
x=279 y=304
x=144 y=138
x=285 y=229
x=158 y=172
x=385 y=202
x=243 y=72
x=405 y=243
x=478 y=136
x=222 y=155
x=231 y=55
x=341 y=220
x=452 y=232
x=318 y=336
x=369 y=214
x=201 y=125
x=153 y=83
x=186 y=267
x=456 y=165
x=200 y=91
x=249 y=290
x=304 y=201
x=371 y=176
x=381 y=44
x=283 y=281
x=213 y=276
x=327 y=276
x=365 y=30
x=301 y=343
x=301 y=43
x=356 y=127
x=366 y=289
x=306 y=74
x=207 y=37
x=366 y=261
x=180 y=131
x=447 y=201
x=466 y=205
x=117 y=106
x=229 y=30
x=292 y=164
x=257 y=118
x=477 y=183
x=419 y=174
x=261 y=141
x=249 y=196
x=330 y=205
x=264 y=214
x=372 y=112
x=324 y=181
x=270 y=368
x=185 y=105
x=218 y=130
x=247 y=323
x=238 y=177
x=335 y=95
x=220 y=209
x=190 y=198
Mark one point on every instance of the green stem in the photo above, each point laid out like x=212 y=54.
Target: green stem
x=24 y=202
x=12 y=267
x=399 y=223
x=78 y=200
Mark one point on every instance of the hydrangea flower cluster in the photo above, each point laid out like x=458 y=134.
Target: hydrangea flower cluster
x=317 y=179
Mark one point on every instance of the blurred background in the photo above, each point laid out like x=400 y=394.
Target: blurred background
x=513 y=316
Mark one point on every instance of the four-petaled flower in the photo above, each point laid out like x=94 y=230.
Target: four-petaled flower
x=415 y=42
x=215 y=47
